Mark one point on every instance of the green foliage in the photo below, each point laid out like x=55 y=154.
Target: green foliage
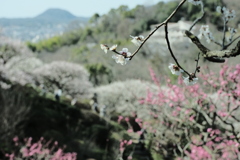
x=143 y=25
x=115 y=41
x=54 y=43
x=99 y=73
x=50 y=44
x=31 y=46
x=94 y=18
x=87 y=32
x=121 y=22
x=209 y=7
x=79 y=51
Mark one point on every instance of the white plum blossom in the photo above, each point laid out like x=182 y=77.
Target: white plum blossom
x=190 y=81
x=175 y=69
x=113 y=48
x=104 y=47
x=219 y=9
x=227 y=14
x=230 y=14
x=119 y=59
x=122 y=59
x=195 y=2
x=116 y=99
x=125 y=52
x=205 y=32
x=137 y=40
x=232 y=33
x=232 y=30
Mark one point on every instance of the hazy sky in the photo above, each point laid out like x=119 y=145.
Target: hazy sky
x=86 y=8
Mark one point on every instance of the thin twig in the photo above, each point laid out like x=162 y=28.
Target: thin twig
x=117 y=52
x=225 y=47
x=217 y=43
x=197 y=60
x=199 y=18
x=224 y=33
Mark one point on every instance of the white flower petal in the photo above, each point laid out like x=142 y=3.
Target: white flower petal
x=105 y=48
x=189 y=82
x=137 y=40
x=124 y=50
x=114 y=47
x=175 y=69
x=141 y=37
x=129 y=54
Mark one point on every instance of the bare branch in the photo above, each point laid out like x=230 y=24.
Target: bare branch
x=225 y=47
x=215 y=55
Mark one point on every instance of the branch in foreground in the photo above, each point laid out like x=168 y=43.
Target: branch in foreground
x=215 y=55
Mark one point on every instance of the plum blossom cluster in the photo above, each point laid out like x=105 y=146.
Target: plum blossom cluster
x=206 y=33
x=195 y=124
x=105 y=48
x=227 y=14
x=122 y=57
x=122 y=147
x=188 y=80
x=117 y=100
x=123 y=144
x=39 y=150
x=71 y=78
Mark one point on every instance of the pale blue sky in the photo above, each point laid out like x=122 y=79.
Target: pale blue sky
x=86 y=8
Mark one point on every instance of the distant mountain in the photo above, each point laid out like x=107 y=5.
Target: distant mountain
x=56 y=15
x=45 y=25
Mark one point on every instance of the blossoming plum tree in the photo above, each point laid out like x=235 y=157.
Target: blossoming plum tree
x=208 y=129
x=71 y=78
x=193 y=122
x=39 y=150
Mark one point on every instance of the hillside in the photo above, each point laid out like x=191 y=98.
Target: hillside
x=82 y=45
x=56 y=15
x=68 y=91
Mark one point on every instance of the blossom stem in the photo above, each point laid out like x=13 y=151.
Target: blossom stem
x=170 y=49
x=226 y=46
x=224 y=33
x=117 y=52
x=197 y=60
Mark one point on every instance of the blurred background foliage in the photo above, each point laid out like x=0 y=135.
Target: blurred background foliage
x=72 y=120
x=82 y=45
x=121 y=22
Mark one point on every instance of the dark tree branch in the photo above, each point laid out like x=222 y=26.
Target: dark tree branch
x=215 y=55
